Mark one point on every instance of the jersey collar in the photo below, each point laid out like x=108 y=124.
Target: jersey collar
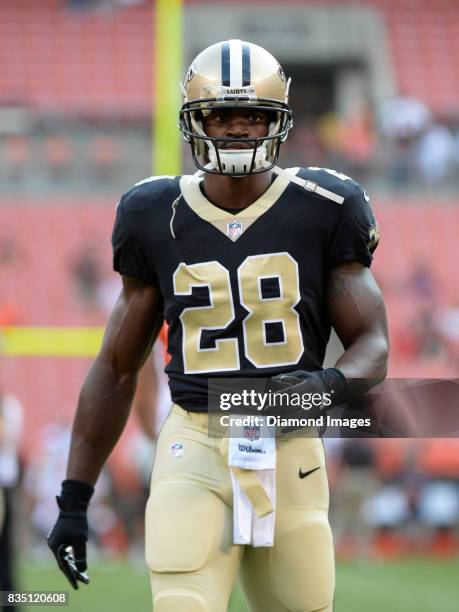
x=232 y=226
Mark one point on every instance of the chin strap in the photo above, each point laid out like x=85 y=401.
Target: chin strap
x=238 y=161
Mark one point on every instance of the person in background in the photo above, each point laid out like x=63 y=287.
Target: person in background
x=11 y=416
x=357 y=480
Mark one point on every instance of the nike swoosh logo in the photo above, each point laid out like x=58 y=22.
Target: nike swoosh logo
x=304 y=474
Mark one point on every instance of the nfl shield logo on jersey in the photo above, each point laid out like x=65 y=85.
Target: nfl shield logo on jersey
x=252 y=433
x=177 y=449
x=234 y=230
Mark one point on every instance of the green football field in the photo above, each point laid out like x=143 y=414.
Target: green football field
x=419 y=585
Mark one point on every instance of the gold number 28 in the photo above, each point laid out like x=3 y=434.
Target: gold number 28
x=219 y=314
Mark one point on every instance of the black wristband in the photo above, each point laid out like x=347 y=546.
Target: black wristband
x=75 y=495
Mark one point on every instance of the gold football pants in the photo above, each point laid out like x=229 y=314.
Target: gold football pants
x=192 y=560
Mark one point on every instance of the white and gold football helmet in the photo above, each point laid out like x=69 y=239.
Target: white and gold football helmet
x=227 y=75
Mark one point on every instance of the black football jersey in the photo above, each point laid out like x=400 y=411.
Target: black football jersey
x=244 y=293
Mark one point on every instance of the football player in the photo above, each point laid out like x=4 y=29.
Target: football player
x=250 y=265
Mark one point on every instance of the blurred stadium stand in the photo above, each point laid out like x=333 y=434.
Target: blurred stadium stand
x=73 y=75
x=98 y=62
x=91 y=63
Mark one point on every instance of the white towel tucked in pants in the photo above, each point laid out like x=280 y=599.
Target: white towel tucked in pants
x=258 y=455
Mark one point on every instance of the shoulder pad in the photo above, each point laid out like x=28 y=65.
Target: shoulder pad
x=337 y=183
x=151 y=179
x=150 y=191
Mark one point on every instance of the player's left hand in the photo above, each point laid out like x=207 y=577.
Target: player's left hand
x=318 y=392
x=297 y=377
x=330 y=380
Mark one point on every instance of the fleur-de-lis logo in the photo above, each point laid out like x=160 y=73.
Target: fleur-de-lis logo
x=373 y=237
x=190 y=74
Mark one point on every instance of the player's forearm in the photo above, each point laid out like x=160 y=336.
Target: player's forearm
x=102 y=412
x=358 y=316
x=365 y=359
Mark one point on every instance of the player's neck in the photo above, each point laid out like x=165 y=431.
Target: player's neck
x=230 y=192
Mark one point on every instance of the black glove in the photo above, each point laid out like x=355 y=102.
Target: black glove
x=67 y=539
x=329 y=384
x=330 y=381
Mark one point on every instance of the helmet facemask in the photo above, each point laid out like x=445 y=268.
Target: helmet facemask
x=209 y=153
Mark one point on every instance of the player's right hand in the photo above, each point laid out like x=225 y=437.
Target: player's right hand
x=68 y=538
